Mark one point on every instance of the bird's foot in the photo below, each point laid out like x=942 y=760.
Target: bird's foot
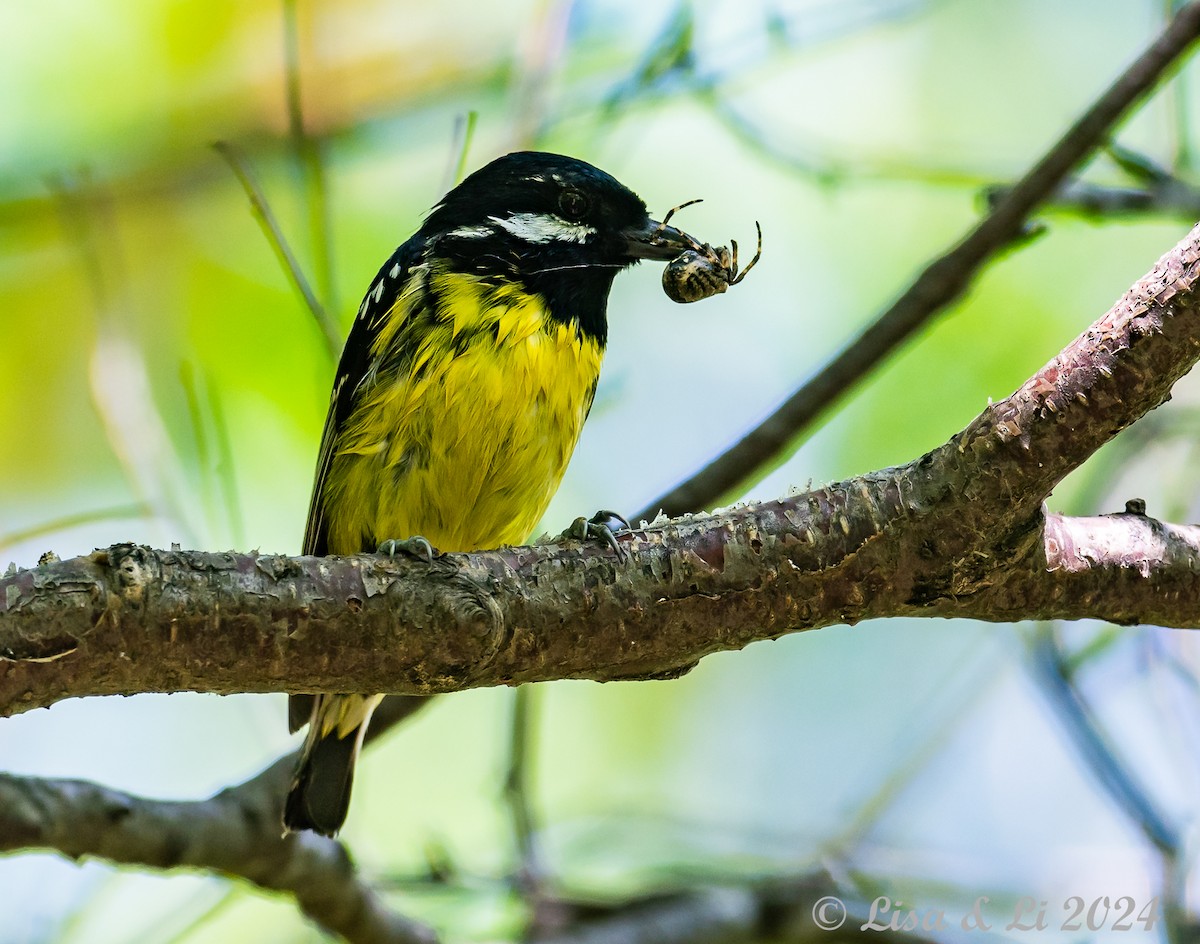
x=416 y=546
x=603 y=526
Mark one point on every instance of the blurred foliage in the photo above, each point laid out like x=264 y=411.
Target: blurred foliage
x=162 y=381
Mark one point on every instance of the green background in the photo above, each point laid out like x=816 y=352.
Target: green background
x=161 y=381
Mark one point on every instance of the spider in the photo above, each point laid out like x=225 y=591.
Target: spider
x=703 y=270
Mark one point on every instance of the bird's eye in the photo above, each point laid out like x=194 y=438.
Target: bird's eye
x=573 y=204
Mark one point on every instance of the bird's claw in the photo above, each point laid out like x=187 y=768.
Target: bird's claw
x=416 y=546
x=602 y=526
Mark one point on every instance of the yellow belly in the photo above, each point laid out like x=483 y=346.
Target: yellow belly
x=466 y=444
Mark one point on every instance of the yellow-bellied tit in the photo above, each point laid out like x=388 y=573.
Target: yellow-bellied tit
x=461 y=391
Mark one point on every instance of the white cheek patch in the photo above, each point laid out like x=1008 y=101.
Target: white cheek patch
x=544 y=228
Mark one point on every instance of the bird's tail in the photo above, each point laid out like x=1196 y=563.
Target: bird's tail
x=320 y=792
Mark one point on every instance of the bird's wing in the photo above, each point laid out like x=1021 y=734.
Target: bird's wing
x=352 y=370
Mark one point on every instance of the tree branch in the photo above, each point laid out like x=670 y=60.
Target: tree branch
x=958 y=532
x=940 y=283
x=236 y=832
x=779 y=909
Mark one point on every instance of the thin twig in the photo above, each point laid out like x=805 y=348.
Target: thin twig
x=819 y=166
x=938 y=285
x=225 y=468
x=1152 y=189
x=1180 y=101
x=1094 y=748
x=74 y=520
x=542 y=45
x=215 y=459
x=312 y=166
x=291 y=267
x=460 y=147
x=516 y=789
x=1100 y=202
x=118 y=374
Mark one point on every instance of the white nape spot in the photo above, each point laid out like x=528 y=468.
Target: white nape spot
x=544 y=228
x=471 y=232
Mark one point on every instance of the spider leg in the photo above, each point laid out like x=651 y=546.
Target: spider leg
x=757 y=255
x=695 y=246
x=674 y=210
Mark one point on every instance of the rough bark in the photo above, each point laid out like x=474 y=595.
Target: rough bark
x=236 y=832
x=959 y=532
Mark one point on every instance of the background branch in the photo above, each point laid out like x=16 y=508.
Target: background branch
x=939 y=284
x=236 y=832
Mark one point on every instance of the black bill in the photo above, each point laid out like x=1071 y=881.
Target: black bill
x=656 y=241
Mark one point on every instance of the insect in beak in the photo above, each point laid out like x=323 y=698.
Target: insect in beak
x=695 y=270
x=703 y=271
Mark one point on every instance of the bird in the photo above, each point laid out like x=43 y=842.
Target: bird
x=460 y=393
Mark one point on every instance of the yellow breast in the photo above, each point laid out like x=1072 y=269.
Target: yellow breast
x=467 y=439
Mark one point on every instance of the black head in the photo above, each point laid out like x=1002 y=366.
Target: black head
x=557 y=225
